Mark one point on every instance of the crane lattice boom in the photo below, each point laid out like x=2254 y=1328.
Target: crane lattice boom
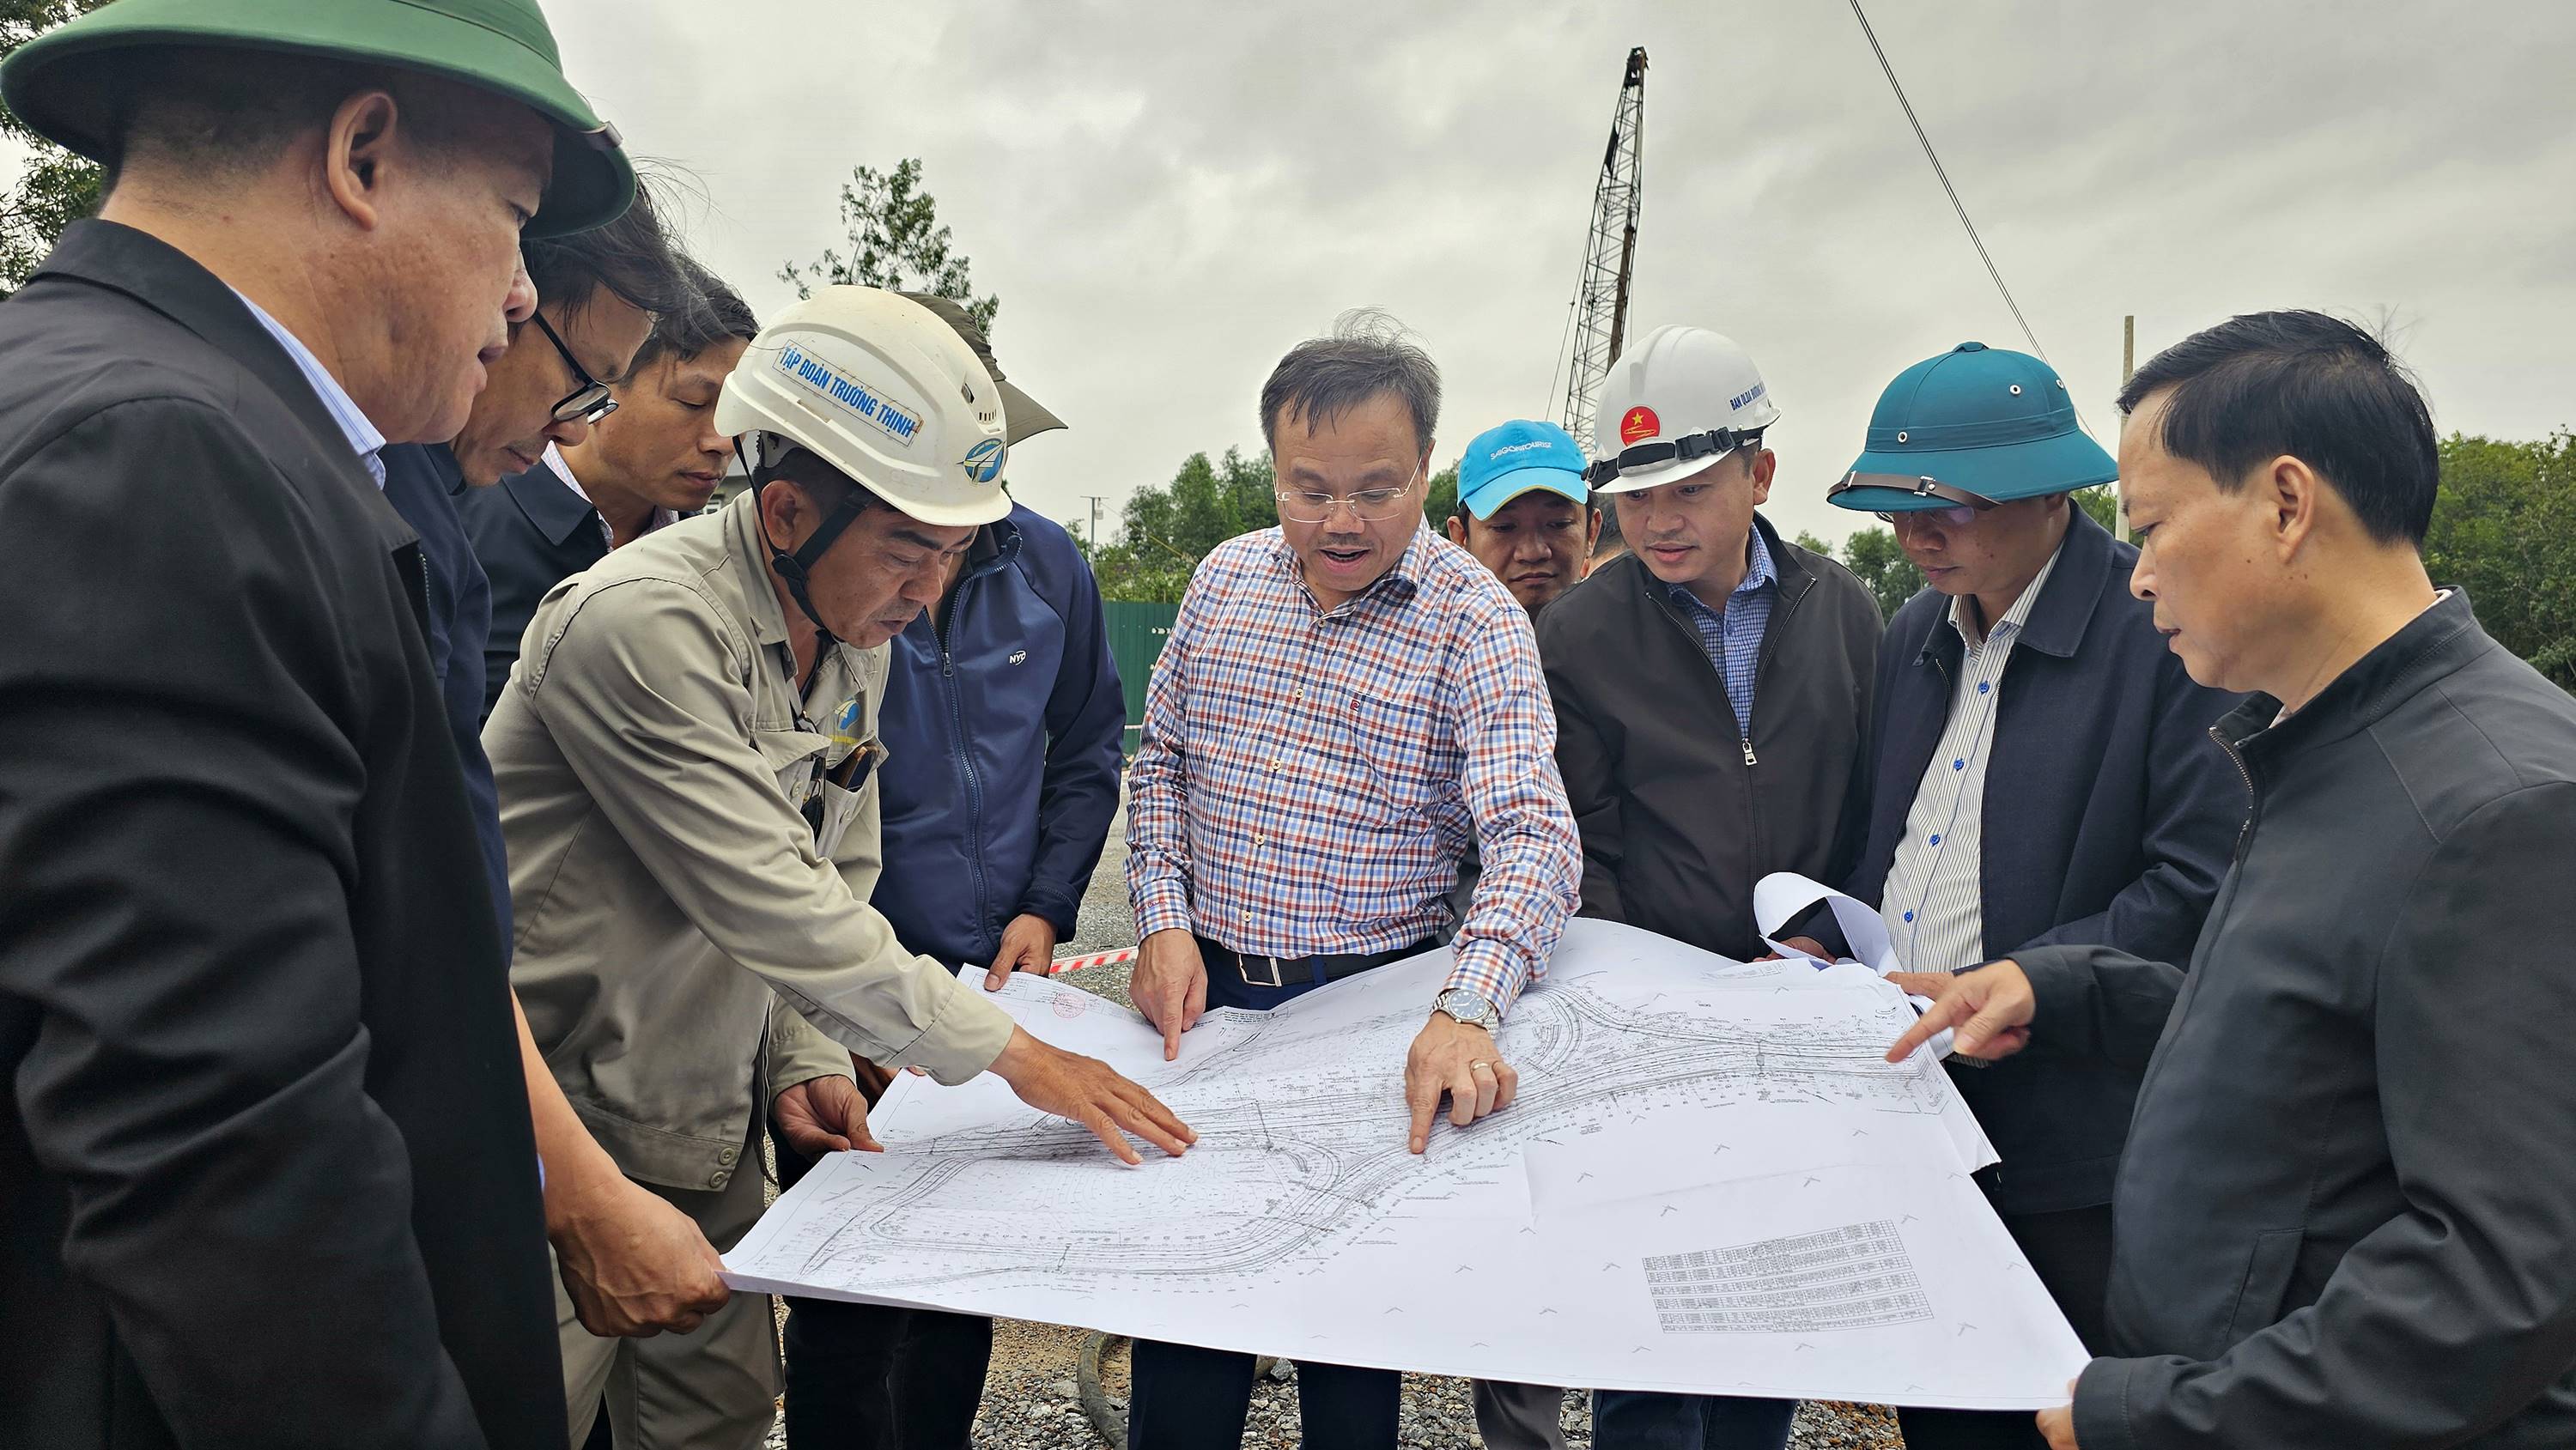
x=1609 y=253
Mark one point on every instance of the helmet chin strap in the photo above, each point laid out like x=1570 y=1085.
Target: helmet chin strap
x=797 y=568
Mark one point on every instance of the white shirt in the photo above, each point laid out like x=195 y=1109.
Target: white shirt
x=1934 y=902
x=364 y=438
x=563 y=470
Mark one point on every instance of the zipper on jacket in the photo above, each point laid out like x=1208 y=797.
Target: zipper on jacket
x=965 y=757
x=1780 y=613
x=2253 y=798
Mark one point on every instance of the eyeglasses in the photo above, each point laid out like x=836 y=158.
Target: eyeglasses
x=1372 y=505
x=1965 y=506
x=587 y=403
x=1951 y=518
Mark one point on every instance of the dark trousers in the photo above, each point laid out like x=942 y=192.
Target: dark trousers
x=2071 y=1253
x=875 y=1377
x=1646 y=1420
x=1187 y=1398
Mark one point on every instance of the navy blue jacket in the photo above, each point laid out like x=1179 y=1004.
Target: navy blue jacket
x=424 y=485
x=1001 y=776
x=2109 y=814
x=531 y=533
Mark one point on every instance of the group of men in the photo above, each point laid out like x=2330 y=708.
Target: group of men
x=438 y=859
x=441 y=860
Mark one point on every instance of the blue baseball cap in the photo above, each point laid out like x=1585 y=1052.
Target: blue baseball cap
x=1504 y=463
x=1978 y=426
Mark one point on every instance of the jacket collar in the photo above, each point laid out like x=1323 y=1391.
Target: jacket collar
x=759 y=597
x=1789 y=571
x=170 y=282
x=996 y=545
x=2067 y=599
x=141 y=266
x=556 y=510
x=2432 y=645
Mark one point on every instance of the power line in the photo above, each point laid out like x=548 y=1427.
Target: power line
x=1937 y=170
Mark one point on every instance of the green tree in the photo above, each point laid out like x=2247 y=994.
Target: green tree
x=57 y=188
x=1440 y=504
x=2504 y=529
x=1167 y=528
x=895 y=242
x=2103 y=505
x=1890 y=577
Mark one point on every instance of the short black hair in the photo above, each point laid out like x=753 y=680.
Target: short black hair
x=1368 y=356
x=219 y=112
x=2311 y=386
x=1610 y=538
x=715 y=312
x=632 y=258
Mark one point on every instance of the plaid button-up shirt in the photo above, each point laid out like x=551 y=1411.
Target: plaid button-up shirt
x=1309 y=779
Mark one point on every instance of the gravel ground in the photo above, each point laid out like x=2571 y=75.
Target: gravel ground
x=1030 y=1395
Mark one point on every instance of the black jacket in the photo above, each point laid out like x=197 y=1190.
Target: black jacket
x=2347 y=1215
x=425 y=486
x=266 y=1170
x=1677 y=823
x=2108 y=818
x=530 y=533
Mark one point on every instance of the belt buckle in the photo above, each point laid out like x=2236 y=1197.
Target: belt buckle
x=1243 y=968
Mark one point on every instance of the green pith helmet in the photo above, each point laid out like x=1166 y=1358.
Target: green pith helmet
x=59 y=85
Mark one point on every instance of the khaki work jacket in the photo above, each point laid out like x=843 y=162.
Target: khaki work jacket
x=682 y=933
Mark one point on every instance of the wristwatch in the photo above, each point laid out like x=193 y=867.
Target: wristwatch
x=1468 y=1008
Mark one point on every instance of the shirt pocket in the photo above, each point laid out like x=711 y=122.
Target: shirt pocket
x=795 y=758
x=1393 y=752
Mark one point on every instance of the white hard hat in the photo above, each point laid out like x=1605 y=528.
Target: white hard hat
x=875 y=385
x=1679 y=400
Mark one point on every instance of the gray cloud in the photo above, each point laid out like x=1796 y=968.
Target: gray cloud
x=1167 y=196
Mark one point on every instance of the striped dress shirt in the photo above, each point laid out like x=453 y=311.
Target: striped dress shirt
x=1732 y=637
x=1309 y=779
x=1934 y=902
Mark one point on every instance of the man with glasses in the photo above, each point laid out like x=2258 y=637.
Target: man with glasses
x=2028 y=661
x=1346 y=702
x=687 y=758
x=630 y=1262
x=1711 y=689
x=651 y=458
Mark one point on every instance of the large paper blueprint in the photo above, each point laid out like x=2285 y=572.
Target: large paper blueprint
x=1711 y=1182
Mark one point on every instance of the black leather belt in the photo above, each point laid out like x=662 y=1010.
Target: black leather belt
x=1261 y=971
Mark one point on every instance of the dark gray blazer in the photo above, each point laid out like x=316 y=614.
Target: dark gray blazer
x=2108 y=816
x=2347 y=1216
x=531 y=533
x=266 y=1170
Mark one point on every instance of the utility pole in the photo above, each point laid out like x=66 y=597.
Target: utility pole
x=1096 y=499
x=2128 y=370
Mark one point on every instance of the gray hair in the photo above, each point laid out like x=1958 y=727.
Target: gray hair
x=1369 y=355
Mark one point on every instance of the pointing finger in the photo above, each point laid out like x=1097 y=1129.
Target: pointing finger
x=1943 y=1013
x=1422 y=1095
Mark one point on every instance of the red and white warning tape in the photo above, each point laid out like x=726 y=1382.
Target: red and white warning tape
x=1062 y=965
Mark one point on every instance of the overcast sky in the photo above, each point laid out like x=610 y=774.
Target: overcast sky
x=1168 y=196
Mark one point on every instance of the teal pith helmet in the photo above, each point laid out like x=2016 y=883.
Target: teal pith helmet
x=1977 y=425
x=63 y=83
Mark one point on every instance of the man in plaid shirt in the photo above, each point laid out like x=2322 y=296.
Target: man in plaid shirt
x=1346 y=704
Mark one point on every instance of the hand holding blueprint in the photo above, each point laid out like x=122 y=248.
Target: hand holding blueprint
x=1711 y=1183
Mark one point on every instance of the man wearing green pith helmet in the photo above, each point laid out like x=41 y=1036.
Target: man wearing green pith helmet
x=267 y=1174
x=2026 y=664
